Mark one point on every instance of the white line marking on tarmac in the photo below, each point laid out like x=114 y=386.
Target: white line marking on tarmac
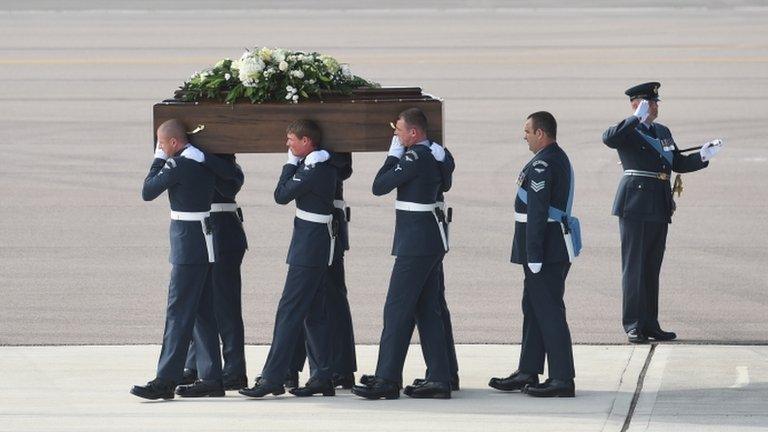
x=743 y=379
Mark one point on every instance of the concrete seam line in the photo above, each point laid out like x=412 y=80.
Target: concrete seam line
x=638 y=389
x=612 y=412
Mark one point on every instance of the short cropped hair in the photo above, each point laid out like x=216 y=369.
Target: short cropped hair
x=306 y=128
x=544 y=121
x=415 y=118
x=174 y=128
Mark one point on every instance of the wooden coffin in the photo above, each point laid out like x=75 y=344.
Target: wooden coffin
x=351 y=123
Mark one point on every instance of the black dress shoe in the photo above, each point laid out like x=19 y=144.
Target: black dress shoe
x=552 y=388
x=379 y=388
x=345 y=381
x=262 y=388
x=313 y=387
x=660 y=335
x=155 y=389
x=636 y=337
x=367 y=379
x=201 y=389
x=235 y=382
x=291 y=380
x=431 y=390
x=420 y=381
x=188 y=377
x=517 y=381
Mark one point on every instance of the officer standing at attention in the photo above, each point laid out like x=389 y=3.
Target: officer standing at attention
x=230 y=245
x=178 y=168
x=310 y=181
x=419 y=247
x=543 y=245
x=644 y=206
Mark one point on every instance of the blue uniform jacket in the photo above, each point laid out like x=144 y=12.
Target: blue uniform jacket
x=417 y=178
x=546 y=179
x=313 y=188
x=343 y=164
x=644 y=198
x=228 y=235
x=447 y=166
x=190 y=188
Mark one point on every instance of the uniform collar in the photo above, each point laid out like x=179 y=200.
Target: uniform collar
x=546 y=149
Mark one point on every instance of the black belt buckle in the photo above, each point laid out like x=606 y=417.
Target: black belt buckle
x=440 y=214
x=450 y=214
x=239 y=212
x=348 y=213
x=566 y=226
x=207 y=225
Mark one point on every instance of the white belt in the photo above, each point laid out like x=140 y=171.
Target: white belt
x=440 y=205
x=197 y=217
x=340 y=204
x=650 y=174
x=223 y=207
x=418 y=207
x=523 y=217
x=189 y=216
x=414 y=207
x=313 y=217
x=323 y=219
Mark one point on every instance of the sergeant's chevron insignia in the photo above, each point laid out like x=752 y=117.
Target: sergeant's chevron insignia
x=537 y=186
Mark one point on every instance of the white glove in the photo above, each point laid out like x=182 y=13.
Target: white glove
x=159 y=153
x=710 y=149
x=396 y=149
x=642 y=110
x=316 y=157
x=192 y=152
x=535 y=267
x=437 y=151
x=293 y=159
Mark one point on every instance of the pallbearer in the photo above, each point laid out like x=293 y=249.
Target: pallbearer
x=178 y=168
x=310 y=181
x=419 y=246
x=230 y=244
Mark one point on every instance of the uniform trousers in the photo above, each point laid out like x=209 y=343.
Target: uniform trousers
x=642 y=251
x=414 y=294
x=190 y=315
x=545 y=329
x=302 y=305
x=227 y=307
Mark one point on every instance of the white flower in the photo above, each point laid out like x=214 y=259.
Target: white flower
x=283 y=66
x=295 y=98
x=297 y=73
x=290 y=89
x=227 y=76
x=205 y=75
x=330 y=63
x=312 y=81
x=346 y=71
x=278 y=55
x=265 y=54
x=249 y=68
x=220 y=64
